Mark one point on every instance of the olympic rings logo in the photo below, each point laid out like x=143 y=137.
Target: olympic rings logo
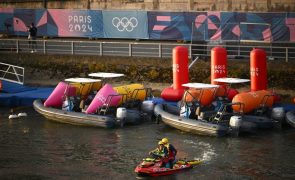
x=125 y=23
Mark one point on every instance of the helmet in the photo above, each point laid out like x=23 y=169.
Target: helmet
x=160 y=143
x=165 y=140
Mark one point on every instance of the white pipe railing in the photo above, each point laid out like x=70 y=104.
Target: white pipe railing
x=12 y=73
x=143 y=49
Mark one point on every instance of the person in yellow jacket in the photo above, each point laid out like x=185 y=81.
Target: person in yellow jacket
x=160 y=152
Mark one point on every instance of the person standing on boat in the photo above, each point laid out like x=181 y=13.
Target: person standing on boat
x=67 y=104
x=32 y=37
x=160 y=152
x=171 y=152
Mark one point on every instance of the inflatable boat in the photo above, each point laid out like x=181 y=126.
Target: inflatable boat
x=170 y=115
x=74 y=102
x=192 y=116
x=290 y=118
x=75 y=118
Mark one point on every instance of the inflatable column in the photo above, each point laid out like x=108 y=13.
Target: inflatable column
x=101 y=98
x=55 y=99
x=180 y=67
x=219 y=70
x=218 y=64
x=180 y=75
x=258 y=70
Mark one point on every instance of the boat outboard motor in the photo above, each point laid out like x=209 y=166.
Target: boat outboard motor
x=278 y=114
x=235 y=123
x=147 y=106
x=121 y=115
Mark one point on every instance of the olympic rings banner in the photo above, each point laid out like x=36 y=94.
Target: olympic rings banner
x=196 y=26
x=125 y=24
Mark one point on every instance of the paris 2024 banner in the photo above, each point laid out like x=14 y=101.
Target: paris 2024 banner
x=195 y=26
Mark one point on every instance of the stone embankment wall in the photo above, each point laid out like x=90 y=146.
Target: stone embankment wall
x=158 y=70
x=159 y=5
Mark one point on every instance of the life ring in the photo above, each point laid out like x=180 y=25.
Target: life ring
x=290 y=118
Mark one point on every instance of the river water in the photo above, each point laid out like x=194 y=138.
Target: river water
x=35 y=148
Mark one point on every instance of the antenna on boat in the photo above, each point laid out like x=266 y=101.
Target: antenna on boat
x=193 y=62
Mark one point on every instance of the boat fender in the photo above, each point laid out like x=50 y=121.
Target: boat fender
x=278 y=113
x=235 y=123
x=22 y=114
x=13 y=116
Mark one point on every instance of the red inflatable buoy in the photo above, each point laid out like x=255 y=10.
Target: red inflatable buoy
x=218 y=64
x=258 y=70
x=180 y=67
x=180 y=75
x=170 y=94
x=231 y=93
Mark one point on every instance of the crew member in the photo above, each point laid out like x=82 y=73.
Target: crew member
x=160 y=152
x=171 y=152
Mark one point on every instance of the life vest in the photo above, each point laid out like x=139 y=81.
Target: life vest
x=161 y=153
x=171 y=151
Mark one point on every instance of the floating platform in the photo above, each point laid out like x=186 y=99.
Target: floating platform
x=13 y=94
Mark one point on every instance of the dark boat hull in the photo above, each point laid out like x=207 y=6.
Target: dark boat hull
x=75 y=118
x=290 y=118
x=189 y=125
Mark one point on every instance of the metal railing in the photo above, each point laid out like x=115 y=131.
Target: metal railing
x=12 y=73
x=144 y=49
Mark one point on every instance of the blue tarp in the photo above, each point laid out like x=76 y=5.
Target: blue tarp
x=14 y=95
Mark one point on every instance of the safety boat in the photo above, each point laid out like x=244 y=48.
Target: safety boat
x=75 y=118
x=110 y=106
x=253 y=107
x=153 y=167
x=198 y=115
x=169 y=115
x=179 y=118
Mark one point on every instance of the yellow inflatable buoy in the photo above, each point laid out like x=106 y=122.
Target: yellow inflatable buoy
x=132 y=91
x=83 y=89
